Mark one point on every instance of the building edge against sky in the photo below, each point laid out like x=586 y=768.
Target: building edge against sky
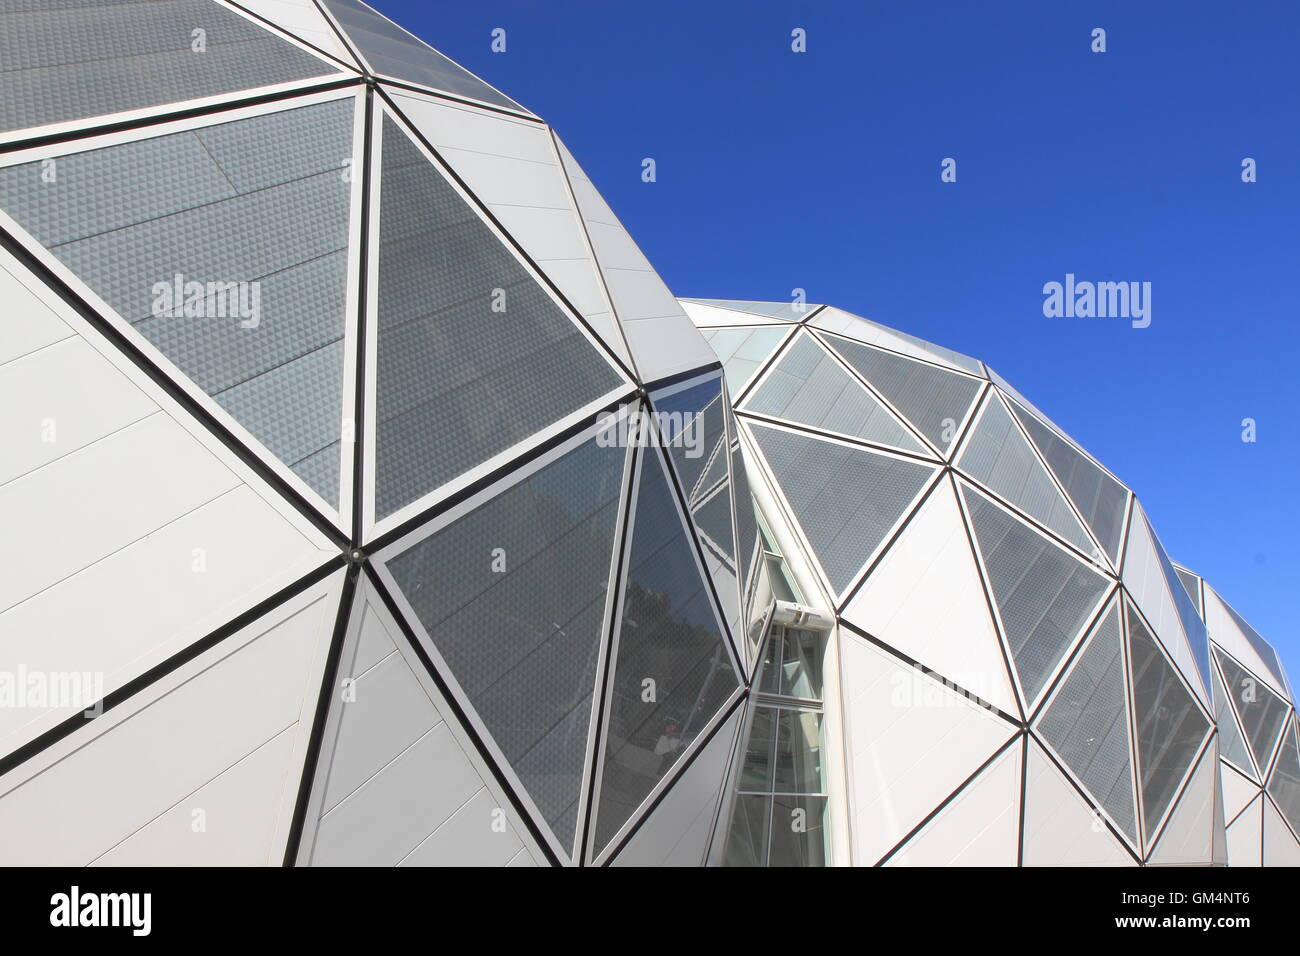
x=371 y=501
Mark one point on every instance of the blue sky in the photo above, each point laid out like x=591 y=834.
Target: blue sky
x=821 y=170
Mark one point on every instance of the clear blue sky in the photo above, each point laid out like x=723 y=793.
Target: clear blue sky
x=821 y=170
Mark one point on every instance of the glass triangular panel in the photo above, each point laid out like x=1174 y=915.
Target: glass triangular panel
x=672 y=672
x=1284 y=782
x=1170 y=727
x=1044 y=594
x=1261 y=711
x=1099 y=497
x=1192 y=585
x=845 y=498
x=742 y=352
x=70 y=61
x=392 y=51
x=997 y=456
x=512 y=596
x=1087 y=723
x=1232 y=746
x=473 y=356
x=933 y=399
x=810 y=387
x=226 y=248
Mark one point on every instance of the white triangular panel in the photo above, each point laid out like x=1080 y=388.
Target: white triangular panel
x=911 y=743
x=1145 y=580
x=1225 y=632
x=663 y=340
x=302 y=19
x=1245 y=835
x=705 y=316
x=389 y=738
x=1280 y=846
x=677 y=832
x=980 y=827
x=1188 y=837
x=225 y=734
x=925 y=599
x=1237 y=791
x=1060 y=828
x=106 y=483
x=511 y=165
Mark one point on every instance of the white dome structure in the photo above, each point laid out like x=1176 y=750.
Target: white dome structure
x=370 y=500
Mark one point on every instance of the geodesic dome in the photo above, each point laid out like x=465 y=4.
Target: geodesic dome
x=1023 y=674
x=321 y=359
x=370 y=500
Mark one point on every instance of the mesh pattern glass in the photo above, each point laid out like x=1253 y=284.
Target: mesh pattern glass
x=1262 y=711
x=65 y=62
x=1232 y=746
x=1099 y=497
x=1087 y=723
x=810 y=387
x=1043 y=594
x=1170 y=728
x=997 y=456
x=457 y=380
x=394 y=52
x=845 y=499
x=742 y=352
x=513 y=597
x=225 y=247
x=668 y=636
x=934 y=400
x=1284 y=784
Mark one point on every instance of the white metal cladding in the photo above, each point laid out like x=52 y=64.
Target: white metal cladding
x=207 y=564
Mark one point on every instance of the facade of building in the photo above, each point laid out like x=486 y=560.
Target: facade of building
x=369 y=500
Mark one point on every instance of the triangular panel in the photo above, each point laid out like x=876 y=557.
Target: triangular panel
x=925 y=598
x=301 y=19
x=1284 y=781
x=218 y=741
x=672 y=672
x=1099 y=497
x=1087 y=723
x=1232 y=745
x=1237 y=792
x=1044 y=595
x=513 y=598
x=743 y=352
x=394 y=52
x=663 y=341
x=473 y=356
x=1188 y=837
x=784 y=311
x=1060 y=828
x=1192 y=585
x=1170 y=727
x=1164 y=602
x=1262 y=712
x=72 y=61
x=1280 y=846
x=997 y=456
x=873 y=333
x=1246 y=834
x=979 y=827
x=912 y=741
x=1231 y=632
x=846 y=499
x=677 y=831
x=933 y=399
x=225 y=247
x=511 y=166
x=387 y=737
x=808 y=386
